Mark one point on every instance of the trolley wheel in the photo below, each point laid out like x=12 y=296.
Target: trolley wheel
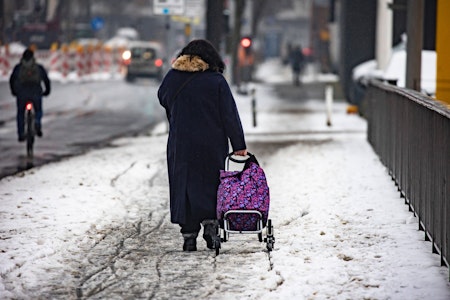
x=270 y=239
x=269 y=246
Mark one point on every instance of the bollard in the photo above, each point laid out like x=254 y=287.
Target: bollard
x=329 y=102
x=254 y=106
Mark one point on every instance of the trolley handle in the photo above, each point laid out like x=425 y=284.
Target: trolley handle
x=246 y=161
x=240 y=161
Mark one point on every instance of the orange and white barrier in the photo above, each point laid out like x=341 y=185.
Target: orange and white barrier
x=80 y=63
x=65 y=61
x=71 y=62
x=88 y=52
x=107 y=60
x=96 y=59
x=55 y=61
x=5 y=66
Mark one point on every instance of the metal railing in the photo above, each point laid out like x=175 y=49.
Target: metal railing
x=410 y=132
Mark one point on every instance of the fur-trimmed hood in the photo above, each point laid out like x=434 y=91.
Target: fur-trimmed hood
x=190 y=63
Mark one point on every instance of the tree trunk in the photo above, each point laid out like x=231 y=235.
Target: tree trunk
x=214 y=22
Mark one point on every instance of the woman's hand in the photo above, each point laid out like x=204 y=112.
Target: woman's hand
x=240 y=152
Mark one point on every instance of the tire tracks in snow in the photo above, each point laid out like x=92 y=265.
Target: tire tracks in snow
x=105 y=274
x=130 y=248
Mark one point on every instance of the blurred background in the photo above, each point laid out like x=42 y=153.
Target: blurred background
x=335 y=35
x=387 y=59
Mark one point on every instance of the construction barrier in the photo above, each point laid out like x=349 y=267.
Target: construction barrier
x=55 y=60
x=96 y=59
x=5 y=66
x=107 y=60
x=70 y=62
x=64 y=61
x=80 y=62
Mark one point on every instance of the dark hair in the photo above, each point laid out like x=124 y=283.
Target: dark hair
x=206 y=51
x=28 y=54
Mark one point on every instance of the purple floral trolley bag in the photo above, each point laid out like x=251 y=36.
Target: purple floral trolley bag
x=243 y=190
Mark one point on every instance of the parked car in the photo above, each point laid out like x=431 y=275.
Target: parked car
x=143 y=59
x=395 y=72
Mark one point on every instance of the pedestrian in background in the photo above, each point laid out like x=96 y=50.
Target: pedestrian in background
x=297 y=60
x=26 y=84
x=203 y=119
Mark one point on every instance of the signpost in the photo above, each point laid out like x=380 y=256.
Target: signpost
x=168 y=7
x=188 y=8
x=97 y=23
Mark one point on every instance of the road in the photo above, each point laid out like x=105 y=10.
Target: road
x=78 y=117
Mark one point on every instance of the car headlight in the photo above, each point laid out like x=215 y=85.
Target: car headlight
x=126 y=55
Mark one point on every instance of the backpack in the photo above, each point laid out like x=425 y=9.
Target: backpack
x=29 y=72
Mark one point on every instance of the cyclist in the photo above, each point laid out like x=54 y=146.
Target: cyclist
x=26 y=84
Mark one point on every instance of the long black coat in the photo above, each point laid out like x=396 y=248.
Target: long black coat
x=202 y=119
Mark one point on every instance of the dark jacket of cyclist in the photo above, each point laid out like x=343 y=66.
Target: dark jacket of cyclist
x=30 y=90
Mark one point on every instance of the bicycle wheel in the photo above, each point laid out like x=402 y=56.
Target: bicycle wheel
x=30 y=132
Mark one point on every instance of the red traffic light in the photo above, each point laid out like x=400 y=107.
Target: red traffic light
x=246 y=42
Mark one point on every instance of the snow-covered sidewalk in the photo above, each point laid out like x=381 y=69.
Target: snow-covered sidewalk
x=342 y=231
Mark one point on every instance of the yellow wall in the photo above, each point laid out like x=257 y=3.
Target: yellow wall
x=443 y=51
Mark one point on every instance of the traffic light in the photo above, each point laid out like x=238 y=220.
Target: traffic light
x=246 y=42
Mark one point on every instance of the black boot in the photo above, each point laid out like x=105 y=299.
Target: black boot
x=190 y=242
x=210 y=229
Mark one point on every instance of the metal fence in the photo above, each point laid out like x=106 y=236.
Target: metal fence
x=410 y=132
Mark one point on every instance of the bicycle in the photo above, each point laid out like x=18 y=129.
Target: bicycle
x=30 y=131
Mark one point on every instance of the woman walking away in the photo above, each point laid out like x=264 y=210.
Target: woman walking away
x=203 y=119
